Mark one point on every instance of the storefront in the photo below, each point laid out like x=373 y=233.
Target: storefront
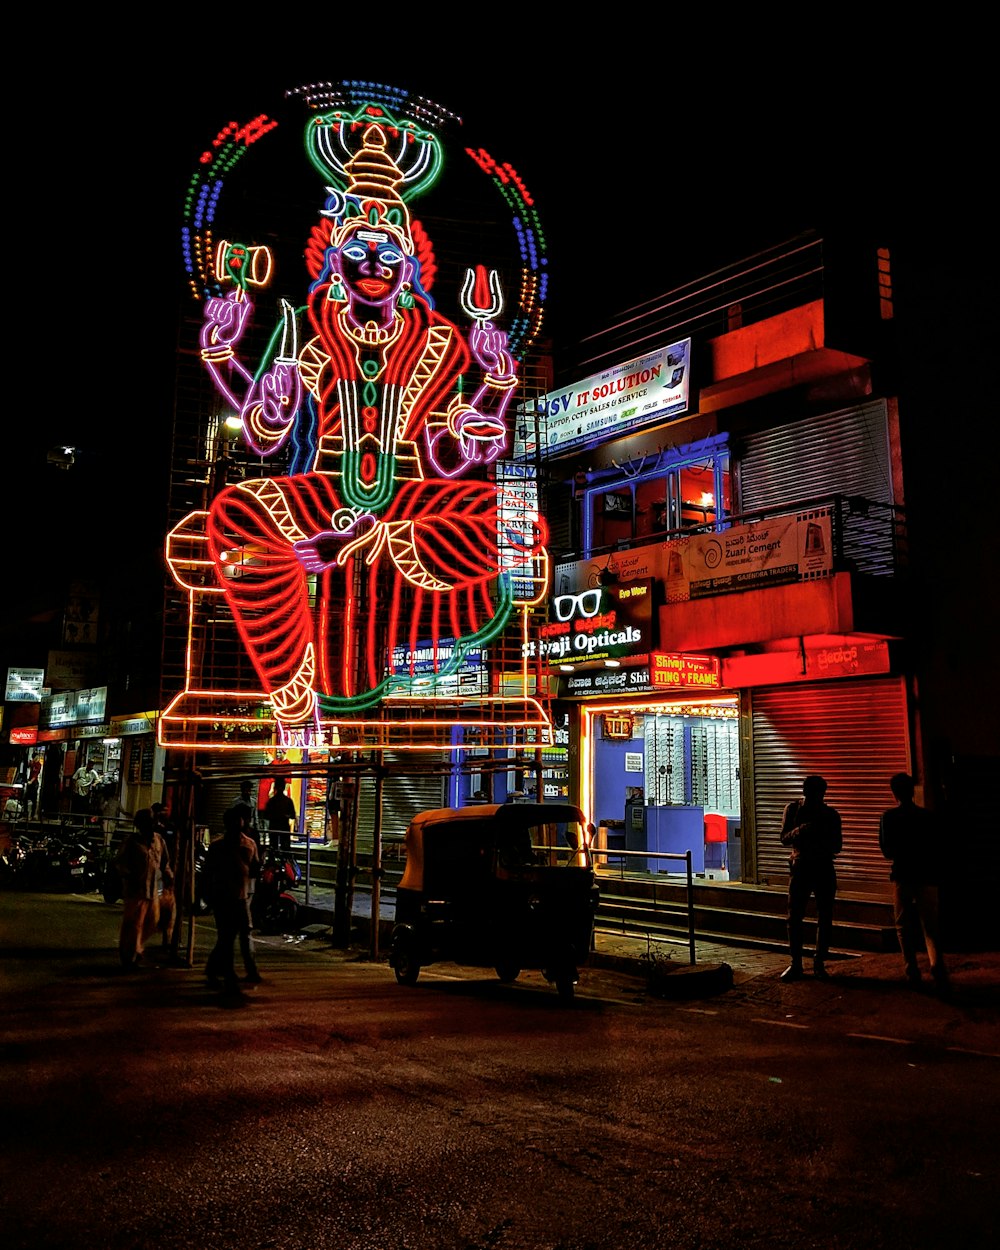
x=662 y=776
x=853 y=732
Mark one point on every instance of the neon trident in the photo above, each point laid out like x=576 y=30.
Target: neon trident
x=477 y=290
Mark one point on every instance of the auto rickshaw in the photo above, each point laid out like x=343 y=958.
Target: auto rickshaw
x=508 y=887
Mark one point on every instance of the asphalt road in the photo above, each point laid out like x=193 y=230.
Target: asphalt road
x=337 y=1109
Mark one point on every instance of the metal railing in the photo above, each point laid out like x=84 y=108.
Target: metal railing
x=671 y=909
x=868 y=536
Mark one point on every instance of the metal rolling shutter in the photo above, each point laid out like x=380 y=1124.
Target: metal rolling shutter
x=854 y=733
x=403 y=795
x=844 y=452
x=222 y=792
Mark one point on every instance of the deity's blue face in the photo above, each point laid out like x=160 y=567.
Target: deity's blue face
x=373 y=266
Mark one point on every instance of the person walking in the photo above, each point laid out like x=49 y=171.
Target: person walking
x=142 y=858
x=279 y=812
x=232 y=862
x=906 y=837
x=811 y=829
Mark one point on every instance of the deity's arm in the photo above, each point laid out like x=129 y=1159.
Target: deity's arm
x=268 y=402
x=478 y=424
x=224 y=323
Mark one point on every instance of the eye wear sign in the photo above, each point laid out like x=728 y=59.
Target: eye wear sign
x=601 y=623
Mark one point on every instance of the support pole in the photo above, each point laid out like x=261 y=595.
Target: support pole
x=377 y=856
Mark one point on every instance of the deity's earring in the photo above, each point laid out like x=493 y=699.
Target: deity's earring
x=336 y=294
x=404 y=299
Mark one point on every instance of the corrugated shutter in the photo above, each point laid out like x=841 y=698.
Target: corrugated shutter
x=838 y=453
x=222 y=792
x=403 y=795
x=853 y=733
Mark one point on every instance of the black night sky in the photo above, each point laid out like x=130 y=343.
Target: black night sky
x=654 y=158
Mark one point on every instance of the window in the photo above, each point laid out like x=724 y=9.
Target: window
x=683 y=491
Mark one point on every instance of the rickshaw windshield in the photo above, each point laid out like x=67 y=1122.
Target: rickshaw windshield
x=560 y=844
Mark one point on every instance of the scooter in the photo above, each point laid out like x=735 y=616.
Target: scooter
x=274 y=908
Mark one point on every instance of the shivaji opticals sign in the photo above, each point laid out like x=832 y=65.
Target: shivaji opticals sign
x=597 y=625
x=608 y=404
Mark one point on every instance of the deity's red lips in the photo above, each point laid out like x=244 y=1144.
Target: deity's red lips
x=372 y=286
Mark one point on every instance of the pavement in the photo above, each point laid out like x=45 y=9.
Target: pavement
x=866 y=995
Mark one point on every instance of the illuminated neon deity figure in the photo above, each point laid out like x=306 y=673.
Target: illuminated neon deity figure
x=383 y=534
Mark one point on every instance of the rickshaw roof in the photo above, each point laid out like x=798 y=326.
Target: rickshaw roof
x=513 y=813
x=488 y=816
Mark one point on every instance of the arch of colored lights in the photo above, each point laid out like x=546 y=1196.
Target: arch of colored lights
x=388 y=537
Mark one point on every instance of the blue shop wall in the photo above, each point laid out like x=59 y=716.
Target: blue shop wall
x=610 y=777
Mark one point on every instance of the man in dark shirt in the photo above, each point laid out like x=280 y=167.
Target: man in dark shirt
x=248 y=806
x=279 y=812
x=230 y=865
x=906 y=837
x=811 y=829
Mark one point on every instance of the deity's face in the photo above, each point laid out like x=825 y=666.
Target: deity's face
x=373 y=266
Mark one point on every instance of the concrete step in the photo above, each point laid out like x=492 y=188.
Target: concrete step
x=742 y=916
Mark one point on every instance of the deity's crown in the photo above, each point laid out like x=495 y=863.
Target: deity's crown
x=376 y=164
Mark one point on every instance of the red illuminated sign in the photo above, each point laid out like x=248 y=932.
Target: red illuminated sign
x=27 y=736
x=668 y=671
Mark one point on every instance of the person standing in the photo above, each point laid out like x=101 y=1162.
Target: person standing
x=142 y=859
x=246 y=803
x=231 y=864
x=84 y=784
x=811 y=829
x=168 y=901
x=906 y=838
x=280 y=815
x=31 y=789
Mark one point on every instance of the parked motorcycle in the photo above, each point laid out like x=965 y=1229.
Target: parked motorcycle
x=54 y=863
x=12 y=859
x=274 y=908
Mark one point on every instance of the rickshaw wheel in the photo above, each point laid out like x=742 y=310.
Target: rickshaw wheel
x=507 y=972
x=404 y=962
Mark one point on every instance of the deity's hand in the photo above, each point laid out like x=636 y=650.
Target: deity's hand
x=279 y=393
x=489 y=347
x=321 y=551
x=480 y=438
x=226 y=318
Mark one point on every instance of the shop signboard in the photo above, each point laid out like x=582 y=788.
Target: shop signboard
x=25 y=685
x=26 y=735
x=790 y=548
x=70 y=670
x=597 y=625
x=73 y=708
x=793 y=548
x=614 y=681
x=417 y=668
x=610 y=403
x=128 y=726
x=847 y=657
x=685 y=672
